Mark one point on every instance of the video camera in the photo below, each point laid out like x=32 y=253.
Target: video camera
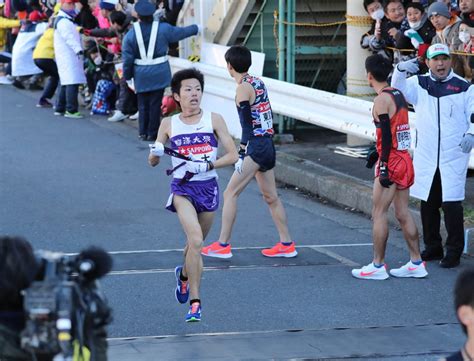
x=65 y=306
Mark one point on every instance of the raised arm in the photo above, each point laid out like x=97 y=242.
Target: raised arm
x=409 y=87
x=174 y=33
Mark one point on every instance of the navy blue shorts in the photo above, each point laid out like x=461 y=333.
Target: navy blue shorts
x=262 y=152
x=204 y=195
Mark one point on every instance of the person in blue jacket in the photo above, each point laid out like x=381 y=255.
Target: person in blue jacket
x=145 y=60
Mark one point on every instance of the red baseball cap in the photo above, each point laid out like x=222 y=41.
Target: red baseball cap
x=36 y=16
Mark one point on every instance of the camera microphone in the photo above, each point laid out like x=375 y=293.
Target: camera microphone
x=94 y=263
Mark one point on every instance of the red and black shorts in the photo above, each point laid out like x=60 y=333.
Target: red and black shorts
x=400 y=169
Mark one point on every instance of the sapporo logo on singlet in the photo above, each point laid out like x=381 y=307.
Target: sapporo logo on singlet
x=198 y=144
x=403 y=136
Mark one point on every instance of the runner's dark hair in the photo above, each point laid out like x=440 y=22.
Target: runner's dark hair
x=179 y=76
x=379 y=66
x=239 y=57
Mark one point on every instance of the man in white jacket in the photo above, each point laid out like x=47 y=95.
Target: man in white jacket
x=444 y=104
x=69 y=59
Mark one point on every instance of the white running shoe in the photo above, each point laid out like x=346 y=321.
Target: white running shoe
x=134 y=116
x=117 y=117
x=370 y=272
x=410 y=270
x=6 y=80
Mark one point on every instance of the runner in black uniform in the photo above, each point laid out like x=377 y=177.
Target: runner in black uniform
x=257 y=158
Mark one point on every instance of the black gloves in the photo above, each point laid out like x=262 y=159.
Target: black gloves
x=383 y=175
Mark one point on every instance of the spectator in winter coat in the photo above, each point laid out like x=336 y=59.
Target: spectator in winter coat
x=150 y=69
x=447 y=31
x=421 y=30
x=444 y=104
x=43 y=57
x=22 y=54
x=370 y=40
x=387 y=28
x=85 y=18
x=69 y=59
x=466 y=35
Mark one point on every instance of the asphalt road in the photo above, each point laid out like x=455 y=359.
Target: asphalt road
x=68 y=183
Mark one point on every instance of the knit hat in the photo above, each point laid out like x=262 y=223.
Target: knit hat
x=439 y=8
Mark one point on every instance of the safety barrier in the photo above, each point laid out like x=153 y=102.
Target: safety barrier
x=340 y=113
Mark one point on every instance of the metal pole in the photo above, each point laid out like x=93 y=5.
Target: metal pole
x=281 y=40
x=290 y=51
x=281 y=54
x=290 y=43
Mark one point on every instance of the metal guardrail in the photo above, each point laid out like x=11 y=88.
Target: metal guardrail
x=340 y=113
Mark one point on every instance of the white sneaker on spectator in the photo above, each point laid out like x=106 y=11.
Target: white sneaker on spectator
x=5 y=80
x=117 y=117
x=134 y=116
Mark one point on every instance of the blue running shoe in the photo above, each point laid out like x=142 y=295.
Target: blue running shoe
x=182 y=287
x=194 y=313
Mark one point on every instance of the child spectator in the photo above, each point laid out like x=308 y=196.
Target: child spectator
x=43 y=56
x=69 y=59
x=421 y=30
x=102 y=74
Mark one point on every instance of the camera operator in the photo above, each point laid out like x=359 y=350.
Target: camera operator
x=21 y=273
x=18 y=268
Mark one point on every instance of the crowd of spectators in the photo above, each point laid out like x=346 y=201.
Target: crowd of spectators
x=402 y=30
x=83 y=56
x=72 y=51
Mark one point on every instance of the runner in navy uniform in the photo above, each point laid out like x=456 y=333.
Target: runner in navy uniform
x=257 y=158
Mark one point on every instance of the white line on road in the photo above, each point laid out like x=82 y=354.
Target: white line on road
x=217 y=268
x=234 y=248
x=260 y=332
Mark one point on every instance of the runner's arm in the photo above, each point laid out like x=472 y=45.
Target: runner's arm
x=163 y=136
x=220 y=128
x=245 y=96
x=382 y=113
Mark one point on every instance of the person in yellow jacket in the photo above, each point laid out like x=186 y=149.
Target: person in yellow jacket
x=43 y=57
x=5 y=57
